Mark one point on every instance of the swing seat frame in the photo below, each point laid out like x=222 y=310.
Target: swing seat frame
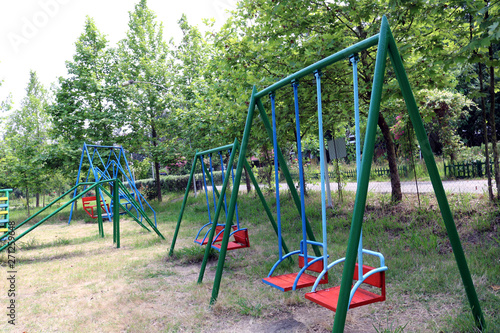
x=299 y=280
x=328 y=298
x=219 y=231
x=241 y=239
x=374 y=276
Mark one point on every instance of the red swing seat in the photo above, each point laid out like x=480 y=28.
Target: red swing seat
x=328 y=298
x=89 y=203
x=285 y=282
x=241 y=240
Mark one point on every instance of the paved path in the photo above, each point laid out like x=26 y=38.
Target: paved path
x=453 y=186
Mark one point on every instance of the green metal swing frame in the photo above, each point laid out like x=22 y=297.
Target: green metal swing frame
x=386 y=44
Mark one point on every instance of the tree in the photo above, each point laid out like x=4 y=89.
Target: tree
x=441 y=111
x=87 y=102
x=26 y=139
x=264 y=41
x=479 y=58
x=144 y=61
x=6 y=155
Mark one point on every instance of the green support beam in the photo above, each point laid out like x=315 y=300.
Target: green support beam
x=264 y=203
x=362 y=190
x=430 y=163
x=229 y=221
x=234 y=196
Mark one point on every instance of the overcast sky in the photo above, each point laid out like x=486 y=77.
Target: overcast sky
x=39 y=35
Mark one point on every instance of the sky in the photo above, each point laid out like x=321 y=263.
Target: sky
x=40 y=35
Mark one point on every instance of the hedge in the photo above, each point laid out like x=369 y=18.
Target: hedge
x=176 y=183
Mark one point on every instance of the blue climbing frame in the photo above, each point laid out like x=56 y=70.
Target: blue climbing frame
x=116 y=166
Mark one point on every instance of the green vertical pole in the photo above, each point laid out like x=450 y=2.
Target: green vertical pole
x=184 y=201
x=286 y=173
x=361 y=193
x=99 y=210
x=229 y=221
x=436 y=182
x=234 y=196
x=266 y=207
x=116 y=211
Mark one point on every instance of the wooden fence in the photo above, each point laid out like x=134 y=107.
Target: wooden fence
x=466 y=169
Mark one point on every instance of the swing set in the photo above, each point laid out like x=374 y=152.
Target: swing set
x=239 y=234
x=347 y=295
x=213 y=232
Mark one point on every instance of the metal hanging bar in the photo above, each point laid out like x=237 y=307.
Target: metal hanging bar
x=295 y=86
x=322 y=157
x=354 y=60
x=276 y=174
x=205 y=184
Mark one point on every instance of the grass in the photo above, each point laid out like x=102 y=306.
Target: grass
x=70 y=279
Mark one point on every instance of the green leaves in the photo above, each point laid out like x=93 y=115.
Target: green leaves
x=27 y=140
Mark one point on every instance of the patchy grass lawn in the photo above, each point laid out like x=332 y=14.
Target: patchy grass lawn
x=70 y=280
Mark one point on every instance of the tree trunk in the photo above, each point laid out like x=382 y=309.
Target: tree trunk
x=37 y=200
x=28 y=200
x=247 y=180
x=485 y=130
x=327 y=183
x=158 y=182
x=391 y=158
x=492 y=121
x=156 y=165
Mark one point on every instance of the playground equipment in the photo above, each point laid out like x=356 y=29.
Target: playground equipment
x=368 y=275
x=301 y=279
x=4 y=210
x=239 y=234
x=386 y=45
x=116 y=166
x=213 y=232
x=99 y=188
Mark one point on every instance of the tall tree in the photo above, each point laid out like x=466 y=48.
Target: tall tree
x=145 y=63
x=195 y=112
x=480 y=50
x=85 y=109
x=27 y=138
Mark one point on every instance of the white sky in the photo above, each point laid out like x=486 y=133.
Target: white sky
x=39 y=35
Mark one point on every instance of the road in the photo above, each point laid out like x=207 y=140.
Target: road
x=453 y=186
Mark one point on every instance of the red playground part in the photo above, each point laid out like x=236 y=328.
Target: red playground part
x=240 y=240
x=218 y=229
x=328 y=298
x=89 y=203
x=285 y=282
